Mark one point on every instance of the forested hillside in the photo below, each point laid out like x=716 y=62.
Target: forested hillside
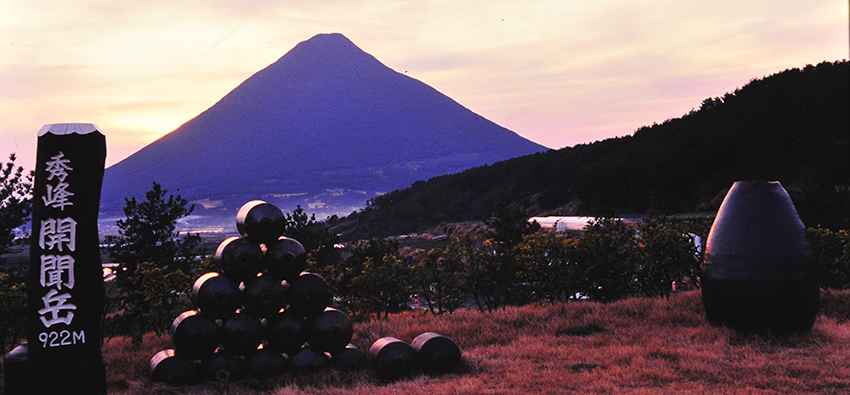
x=792 y=126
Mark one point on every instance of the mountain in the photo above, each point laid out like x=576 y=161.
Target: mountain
x=793 y=126
x=327 y=126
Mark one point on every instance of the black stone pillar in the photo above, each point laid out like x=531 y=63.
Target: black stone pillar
x=65 y=281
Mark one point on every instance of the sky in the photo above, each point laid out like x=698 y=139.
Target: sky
x=559 y=73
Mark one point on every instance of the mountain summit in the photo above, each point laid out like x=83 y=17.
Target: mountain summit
x=327 y=126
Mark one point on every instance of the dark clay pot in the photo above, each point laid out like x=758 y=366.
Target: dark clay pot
x=286 y=332
x=331 y=331
x=758 y=275
x=167 y=367
x=194 y=336
x=216 y=296
x=260 y=221
x=223 y=367
x=392 y=358
x=241 y=334
x=263 y=296
x=437 y=353
x=239 y=258
x=351 y=358
x=285 y=259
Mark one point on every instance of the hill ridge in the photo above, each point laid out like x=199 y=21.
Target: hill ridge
x=791 y=127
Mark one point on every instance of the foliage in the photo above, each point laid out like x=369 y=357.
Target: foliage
x=479 y=266
x=153 y=278
x=150 y=300
x=666 y=252
x=514 y=263
x=367 y=258
x=604 y=270
x=147 y=233
x=13 y=310
x=612 y=259
x=831 y=254
x=383 y=285
x=15 y=208
x=791 y=127
x=438 y=281
x=318 y=241
x=15 y=201
x=509 y=227
x=547 y=265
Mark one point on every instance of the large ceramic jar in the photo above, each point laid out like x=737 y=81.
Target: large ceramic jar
x=758 y=275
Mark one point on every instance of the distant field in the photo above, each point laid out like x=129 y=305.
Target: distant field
x=635 y=346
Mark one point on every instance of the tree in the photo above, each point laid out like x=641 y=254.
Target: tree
x=479 y=267
x=155 y=262
x=666 y=252
x=383 y=286
x=318 y=241
x=15 y=209
x=151 y=297
x=508 y=228
x=439 y=281
x=367 y=258
x=545 y=260
x=147 y=234
x=312 y=234
x=831 y=255
x=604 y=268
x=13 y=310
x=15 y=202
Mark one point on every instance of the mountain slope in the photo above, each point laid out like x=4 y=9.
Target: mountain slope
x=793 y=127
x=326 y=126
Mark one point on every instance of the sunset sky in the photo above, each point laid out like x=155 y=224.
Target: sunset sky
x=559 y=73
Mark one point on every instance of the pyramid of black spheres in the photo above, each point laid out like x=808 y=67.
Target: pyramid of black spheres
x=262 y=314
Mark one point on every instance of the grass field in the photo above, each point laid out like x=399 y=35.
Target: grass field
x=634 y=346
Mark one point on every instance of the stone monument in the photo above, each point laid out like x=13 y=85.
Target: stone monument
x=65 y=281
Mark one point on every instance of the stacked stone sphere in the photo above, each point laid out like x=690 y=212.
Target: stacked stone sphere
x=263 y=314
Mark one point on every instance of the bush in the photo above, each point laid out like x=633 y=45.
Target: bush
x=15 y=202
x=150 y=299
x=153 y=280
x=13 y=310
x=831 y=253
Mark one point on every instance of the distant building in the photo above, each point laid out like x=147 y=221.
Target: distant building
x=561 y=224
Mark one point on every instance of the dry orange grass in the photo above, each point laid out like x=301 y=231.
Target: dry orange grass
x=635 y=346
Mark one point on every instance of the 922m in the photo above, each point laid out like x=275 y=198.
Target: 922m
x=61 y=338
